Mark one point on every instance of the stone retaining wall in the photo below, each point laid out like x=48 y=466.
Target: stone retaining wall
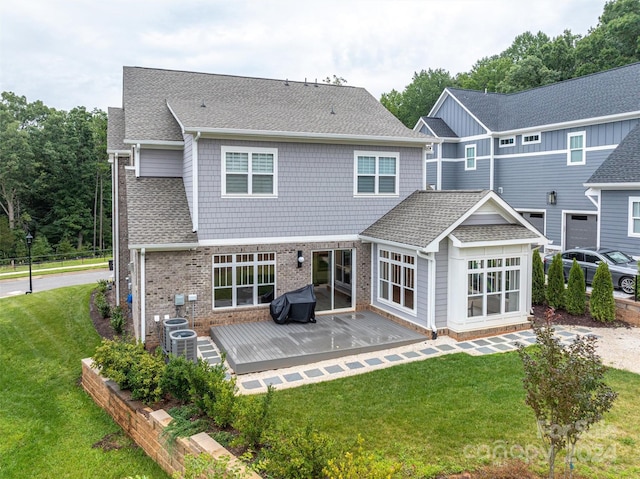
x=628 y=311
x=145 y=425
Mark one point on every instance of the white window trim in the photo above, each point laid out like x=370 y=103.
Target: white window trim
x=404 y=265
x=234 y=285
x=475 y=157
x=632 y=200
x=508 y=145
x=574 y=134
x=377 y=155
x=484 y=271
x=531 y=142
x=250 y=150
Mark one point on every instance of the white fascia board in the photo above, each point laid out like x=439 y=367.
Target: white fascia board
x=573 y=123
x=175 y=116
x=120 y=152
x=486 y=128
x=277 y=240
x=612 y=186
x=394 y=244
x=485 y=244
x=439 y=101
x=420 y=123
x=307 y=136
x=164 y=247
x=163 y=144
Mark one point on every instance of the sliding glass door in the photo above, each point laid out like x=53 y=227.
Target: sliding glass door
x=332 y=279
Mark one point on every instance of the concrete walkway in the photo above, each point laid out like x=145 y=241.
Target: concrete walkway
x=253 y=383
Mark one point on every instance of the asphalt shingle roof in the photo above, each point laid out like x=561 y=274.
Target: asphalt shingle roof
x=115 y=130
x=439 y=127
x=623 y=164
x=600 y=94
x=242 y=103
x=503 y=232
x=158 y=212
x=423 y=216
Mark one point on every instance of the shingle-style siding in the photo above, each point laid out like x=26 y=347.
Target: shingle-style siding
x=614 y=227
x=187 y=170
x=458 y=119
x=161 y=163
x=315 y=192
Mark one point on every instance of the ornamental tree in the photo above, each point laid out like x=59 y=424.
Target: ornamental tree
x=537 y=284
x=576 y=294
x=555 y=283
x=602 y=304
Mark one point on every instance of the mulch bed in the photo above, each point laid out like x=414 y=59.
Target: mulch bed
x=561 y=317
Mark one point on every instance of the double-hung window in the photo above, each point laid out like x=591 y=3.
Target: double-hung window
x=376 y=173
x=634 y=216
x=243 y=279
x=576 y=148
x=397 y=279
x=470 y=157
x=249 y=171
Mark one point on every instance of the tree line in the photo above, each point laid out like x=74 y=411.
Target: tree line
x=55 y=181
x=531 y=61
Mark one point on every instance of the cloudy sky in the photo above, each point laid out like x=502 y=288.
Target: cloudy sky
x=70 y=53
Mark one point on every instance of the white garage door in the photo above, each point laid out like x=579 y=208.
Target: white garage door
x=581 y=231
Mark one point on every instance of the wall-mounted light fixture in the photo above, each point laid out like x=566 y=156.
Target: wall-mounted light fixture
x=300 y=259
x=552 y=198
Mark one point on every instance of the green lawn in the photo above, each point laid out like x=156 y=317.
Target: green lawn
x=47 y=422
x=456 y=412
x=53 y=267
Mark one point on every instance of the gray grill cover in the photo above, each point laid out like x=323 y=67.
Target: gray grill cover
x=298 y=305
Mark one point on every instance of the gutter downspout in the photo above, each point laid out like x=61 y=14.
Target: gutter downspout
x=431 y=293
x=136 y=159
x=491 y=162
x=143 y=320
x=439 y=167
x=116 y=225
x=194 y=181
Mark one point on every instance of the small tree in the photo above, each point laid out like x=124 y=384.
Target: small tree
x=576 y=295
x=602 y=304
x=565 y=387
x=555 y=283
x=537 y=284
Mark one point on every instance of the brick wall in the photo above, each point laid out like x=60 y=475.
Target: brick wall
x=190 y=272
x=145 y=426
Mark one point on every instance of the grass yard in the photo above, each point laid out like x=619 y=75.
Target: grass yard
x=48 y=424
x=458 y=412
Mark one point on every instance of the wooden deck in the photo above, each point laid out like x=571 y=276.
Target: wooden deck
x=265 y=345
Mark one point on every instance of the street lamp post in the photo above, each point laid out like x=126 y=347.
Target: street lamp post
x=29 y=239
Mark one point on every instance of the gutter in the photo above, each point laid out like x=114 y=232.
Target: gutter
x=143 y=309
x=194 y=182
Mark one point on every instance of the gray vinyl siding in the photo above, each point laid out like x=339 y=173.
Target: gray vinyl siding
x=614 y=226
x=187 y=170
x=451 y=171
x=485 y=219
x=442 y=284
x=315 y=192
x=161 y=163
x=450 y=150
x=432 y=174
x=474 y=179
x=458 y=119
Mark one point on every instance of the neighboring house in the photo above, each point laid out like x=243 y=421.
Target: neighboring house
x=566 y=155
x=229 y=191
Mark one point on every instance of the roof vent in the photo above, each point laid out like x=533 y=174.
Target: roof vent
x=316 y=83
x=305 y=81
x=286 y=82
x=203 y=105
x=332 y=112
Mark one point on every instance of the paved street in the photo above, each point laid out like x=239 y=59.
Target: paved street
x=14 y=287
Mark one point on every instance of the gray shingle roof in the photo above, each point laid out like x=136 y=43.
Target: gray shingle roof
x=623 y=164
x=606 y=93
x=242 y=103
x=115 y=130
x=504 y=232
x=423 y=216
x=439 y=127
x=157 y=211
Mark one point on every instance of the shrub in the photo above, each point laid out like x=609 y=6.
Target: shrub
x=175 y=380
x=212 y=391
x=253 y=418
x=116 y=359
x=538 y=286
x=118 y=320
x=131 y=367
x=146 y=376
x=185 y=423
x=102 y=304
x=296 y=454
x=357 y=464
x=576 y=295
x=204 y=466
x=555 y=283
x=103 y=285
x=602 y=303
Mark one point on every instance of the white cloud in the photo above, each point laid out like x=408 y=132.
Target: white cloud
x=71 y=52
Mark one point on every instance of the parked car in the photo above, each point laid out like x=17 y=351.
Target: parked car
x=623 y=267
